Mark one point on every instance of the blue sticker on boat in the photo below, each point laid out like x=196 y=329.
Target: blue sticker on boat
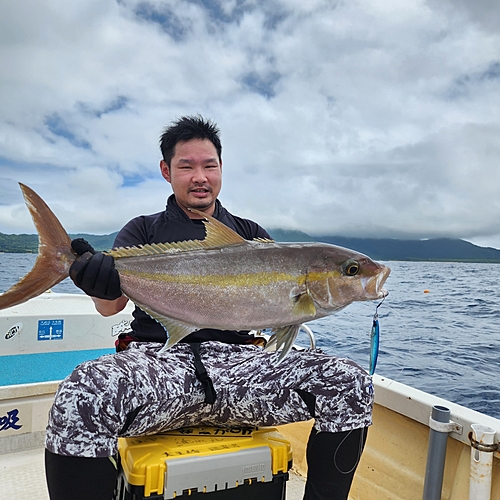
x=50 y=329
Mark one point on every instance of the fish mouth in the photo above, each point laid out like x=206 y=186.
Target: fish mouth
x=373 y=286
x=381 y=278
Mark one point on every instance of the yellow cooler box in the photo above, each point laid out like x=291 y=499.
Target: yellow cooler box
x=218 y=463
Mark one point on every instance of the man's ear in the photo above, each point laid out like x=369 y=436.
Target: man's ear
x=165 y=171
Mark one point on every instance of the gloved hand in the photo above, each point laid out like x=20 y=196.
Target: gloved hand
x=94 y=272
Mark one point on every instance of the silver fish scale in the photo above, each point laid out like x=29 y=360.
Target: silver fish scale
x=249 y=286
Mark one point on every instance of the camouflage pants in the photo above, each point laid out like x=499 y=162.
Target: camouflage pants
x=140 y=391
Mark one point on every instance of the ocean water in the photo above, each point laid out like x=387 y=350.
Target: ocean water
x=439 y=328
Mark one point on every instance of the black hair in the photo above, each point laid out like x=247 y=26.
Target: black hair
x=187 y=128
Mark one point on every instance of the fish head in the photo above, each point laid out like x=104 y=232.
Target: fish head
x=338 y=277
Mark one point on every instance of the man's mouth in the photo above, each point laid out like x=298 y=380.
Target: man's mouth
x=201 y=190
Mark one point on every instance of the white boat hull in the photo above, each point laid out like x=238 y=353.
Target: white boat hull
x=57 y=322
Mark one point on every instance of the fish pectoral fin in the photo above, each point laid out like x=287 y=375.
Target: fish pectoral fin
x=176 y=331
x=304 y=305
x=283 y=338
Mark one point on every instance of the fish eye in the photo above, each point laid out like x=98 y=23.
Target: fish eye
x=351 y=268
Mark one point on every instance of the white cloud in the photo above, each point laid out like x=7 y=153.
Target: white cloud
x=368 y=118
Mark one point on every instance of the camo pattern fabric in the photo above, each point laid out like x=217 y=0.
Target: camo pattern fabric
x=141 y=391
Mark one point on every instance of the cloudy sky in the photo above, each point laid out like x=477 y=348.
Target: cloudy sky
x=373 y=118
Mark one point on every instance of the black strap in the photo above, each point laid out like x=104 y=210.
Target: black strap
x=309 y=400
x=202 y=375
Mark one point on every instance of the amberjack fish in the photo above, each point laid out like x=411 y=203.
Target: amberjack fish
x=223 y=281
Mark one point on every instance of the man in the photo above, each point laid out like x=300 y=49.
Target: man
x=212 y=377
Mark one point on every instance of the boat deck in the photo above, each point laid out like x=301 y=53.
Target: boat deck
x=22 y=475
x=393 y=465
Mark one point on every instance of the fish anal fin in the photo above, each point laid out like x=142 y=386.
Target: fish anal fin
x=176 y=330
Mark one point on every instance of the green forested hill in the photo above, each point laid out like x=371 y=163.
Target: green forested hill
x=439 y=249
x=18 y=243
x=28 y=243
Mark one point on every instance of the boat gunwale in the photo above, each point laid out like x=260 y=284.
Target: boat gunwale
x=417 y=405
x=33 y=389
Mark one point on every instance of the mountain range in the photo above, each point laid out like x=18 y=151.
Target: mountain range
x=436 y=249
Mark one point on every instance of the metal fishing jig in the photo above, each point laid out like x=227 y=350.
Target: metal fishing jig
x=375 y=339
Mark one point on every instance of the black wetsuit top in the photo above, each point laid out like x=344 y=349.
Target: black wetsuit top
x=170 y=226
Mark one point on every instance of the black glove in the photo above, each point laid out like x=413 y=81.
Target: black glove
x=93 y=272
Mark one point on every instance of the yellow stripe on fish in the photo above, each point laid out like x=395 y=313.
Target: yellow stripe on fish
x=239 y=280
x=219 y=280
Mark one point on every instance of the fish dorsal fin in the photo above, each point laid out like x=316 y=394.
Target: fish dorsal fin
x=156 y=249
x=263 y=240
x=218 y=236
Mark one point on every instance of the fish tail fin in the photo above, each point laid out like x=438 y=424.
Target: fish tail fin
x=54 y=254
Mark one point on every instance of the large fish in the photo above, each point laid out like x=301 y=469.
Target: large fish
x=223 y=282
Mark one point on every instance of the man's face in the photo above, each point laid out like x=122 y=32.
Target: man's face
x=195 y=175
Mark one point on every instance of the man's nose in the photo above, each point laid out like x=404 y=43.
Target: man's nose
x=199 y=174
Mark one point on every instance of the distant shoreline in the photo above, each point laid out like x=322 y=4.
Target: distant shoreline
x=431 y=250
